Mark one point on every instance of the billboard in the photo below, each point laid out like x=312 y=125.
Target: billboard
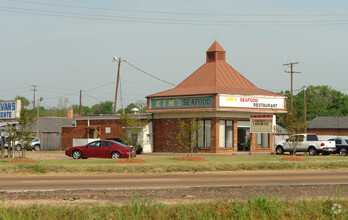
x=10 y=109
x=262 y=123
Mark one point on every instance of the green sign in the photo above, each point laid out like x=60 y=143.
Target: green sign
x=182 y=102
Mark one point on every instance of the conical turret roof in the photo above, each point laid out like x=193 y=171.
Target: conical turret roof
x=214 y=77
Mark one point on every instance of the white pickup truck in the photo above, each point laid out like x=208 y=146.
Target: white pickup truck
x=305 y=143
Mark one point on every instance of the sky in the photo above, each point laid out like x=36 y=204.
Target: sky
x=67 y=46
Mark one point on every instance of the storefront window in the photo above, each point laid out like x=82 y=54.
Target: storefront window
x=204 y=134
x=226 y=133
x=262 y=140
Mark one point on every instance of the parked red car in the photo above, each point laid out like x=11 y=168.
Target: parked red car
x=100 y=149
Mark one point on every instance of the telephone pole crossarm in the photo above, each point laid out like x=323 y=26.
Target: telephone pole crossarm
x=291 y=64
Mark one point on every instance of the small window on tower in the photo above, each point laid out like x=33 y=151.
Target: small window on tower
x=211 y=57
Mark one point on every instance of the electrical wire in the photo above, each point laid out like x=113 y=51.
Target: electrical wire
x=148 y=73
x=179 y=13
x=152 y=21
x=98 y=87
x=93 y=97
x=174 y=20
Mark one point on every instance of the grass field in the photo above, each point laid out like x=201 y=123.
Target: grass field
x=164 y=164
x=259 y=208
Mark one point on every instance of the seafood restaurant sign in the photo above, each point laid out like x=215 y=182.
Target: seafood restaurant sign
x=251 y=102
x=182 y=102
x=10 y=109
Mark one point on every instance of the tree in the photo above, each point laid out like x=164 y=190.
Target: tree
x=85 y=110
x=141 y=105
x=103 y=108
x=293 y=125
x=21 y=131
x=321 y=101
x=133 y=133
x=187 y=134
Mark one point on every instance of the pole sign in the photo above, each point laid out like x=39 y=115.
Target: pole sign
x=10 y=109
x=262 y=123
x=182 y=102
x=276 y=102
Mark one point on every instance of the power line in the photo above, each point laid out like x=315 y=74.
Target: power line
x=175 y=20
x=180 y=13
x=309 y=23
x=148 y=73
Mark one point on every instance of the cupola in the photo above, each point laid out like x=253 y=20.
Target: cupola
x=216 y=53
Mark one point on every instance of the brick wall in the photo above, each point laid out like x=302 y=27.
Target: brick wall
x=331 y=132
x=83 y=131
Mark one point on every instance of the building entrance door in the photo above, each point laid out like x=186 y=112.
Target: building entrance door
x=243 y=139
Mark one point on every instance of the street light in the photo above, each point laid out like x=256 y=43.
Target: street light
x=114 y=59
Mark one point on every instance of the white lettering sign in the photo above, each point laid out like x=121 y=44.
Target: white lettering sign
x=251 y=102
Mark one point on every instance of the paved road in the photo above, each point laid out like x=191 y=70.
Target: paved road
x=263 y=178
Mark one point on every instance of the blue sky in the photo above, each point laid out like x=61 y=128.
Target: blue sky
x=61 y=47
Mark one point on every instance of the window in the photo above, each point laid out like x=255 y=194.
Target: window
x=105 y=144
x=311 y=137
x=204 y=134
x=262 y=140
x=226 y=134
x=94 y=144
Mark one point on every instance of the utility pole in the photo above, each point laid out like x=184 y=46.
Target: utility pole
x=305 y=107
x=34 y=89
x=118 y=78
x=80 y=109
x=291 y=64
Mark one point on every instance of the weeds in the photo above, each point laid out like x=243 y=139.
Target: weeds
x=258 y=208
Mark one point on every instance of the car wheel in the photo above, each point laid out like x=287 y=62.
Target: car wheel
x=343 y=152
x=279 y=150
x=139 y=150
x=115 y=155
x=37 y=147
x=18 y=147
x=76 y=154
x=312 y=151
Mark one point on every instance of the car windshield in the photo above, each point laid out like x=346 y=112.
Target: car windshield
x=123 y=145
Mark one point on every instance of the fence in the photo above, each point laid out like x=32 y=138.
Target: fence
x=50 y=142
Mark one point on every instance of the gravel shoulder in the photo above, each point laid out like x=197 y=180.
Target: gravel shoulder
x=172 y=195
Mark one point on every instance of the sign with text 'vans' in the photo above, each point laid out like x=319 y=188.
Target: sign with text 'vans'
x=10 y=109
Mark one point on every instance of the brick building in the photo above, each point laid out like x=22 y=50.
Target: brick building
x=329 y=126
x=223 y=100
x=90 y=128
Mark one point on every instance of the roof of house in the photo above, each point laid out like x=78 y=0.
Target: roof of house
x=51 y=125
x=215 y=77
x=328 y=122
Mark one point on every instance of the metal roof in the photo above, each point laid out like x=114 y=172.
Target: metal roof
x=215 y=77
x=52 y=124
x=328 y=122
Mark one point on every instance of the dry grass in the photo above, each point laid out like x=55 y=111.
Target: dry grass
x=192 y=159
x=294 y=159
x=21 y=161
x=134 y=160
